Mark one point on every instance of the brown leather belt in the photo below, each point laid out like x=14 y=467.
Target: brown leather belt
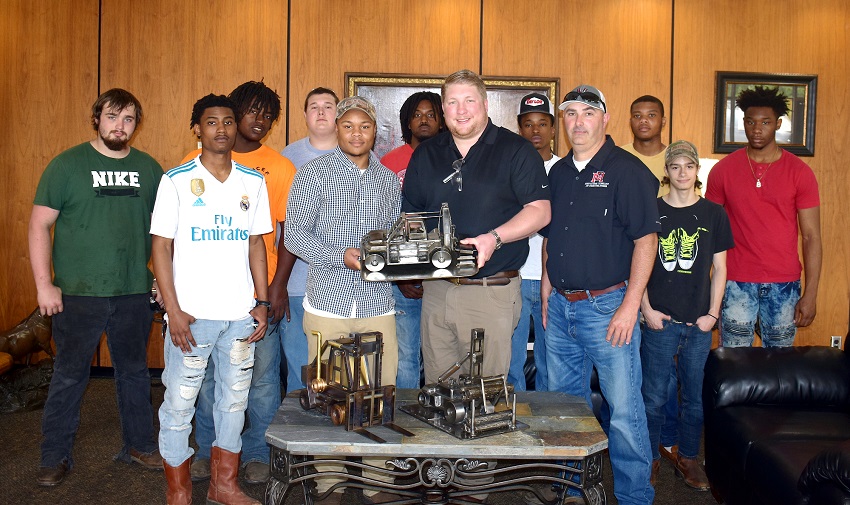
x=497 y=279
x=583 y=294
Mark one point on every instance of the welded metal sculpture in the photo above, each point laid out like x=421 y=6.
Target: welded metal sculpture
x=344 y=382
x=468 y=406
x=420 y=245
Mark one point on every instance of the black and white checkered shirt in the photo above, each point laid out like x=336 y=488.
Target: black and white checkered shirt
x=332 y=204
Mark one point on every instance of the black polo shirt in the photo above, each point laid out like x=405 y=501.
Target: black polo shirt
x=502 y=173
x=596 y=216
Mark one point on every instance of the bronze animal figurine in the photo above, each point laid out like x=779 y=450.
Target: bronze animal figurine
x=31 y=335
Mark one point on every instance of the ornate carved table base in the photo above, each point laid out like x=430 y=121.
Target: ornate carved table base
x=559 y=453
x=428 y=480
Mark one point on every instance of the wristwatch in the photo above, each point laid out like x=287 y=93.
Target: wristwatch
x=264 y=303
x=498 y=239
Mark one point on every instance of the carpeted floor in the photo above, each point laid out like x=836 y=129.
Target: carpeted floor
x=97 y=479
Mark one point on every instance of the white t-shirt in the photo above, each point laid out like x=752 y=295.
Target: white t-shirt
x=533 y=268
x=210 y=222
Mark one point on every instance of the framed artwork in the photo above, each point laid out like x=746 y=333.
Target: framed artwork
x=389 y=91
x=797 y=131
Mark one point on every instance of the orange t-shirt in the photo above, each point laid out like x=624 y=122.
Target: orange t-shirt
x=279 y=173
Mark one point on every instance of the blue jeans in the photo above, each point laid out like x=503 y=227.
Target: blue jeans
x=263 y=401
x=408 y=312
x=224 y=342
x=670 y=427
x=658 y=348
x=76 y=332
x=293 y=343
x=772 y=304
x=575 y=342
x=530 y=313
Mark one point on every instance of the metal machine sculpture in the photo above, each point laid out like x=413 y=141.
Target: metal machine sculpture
x=466 y=407
x=420 y=245
x=344 y=382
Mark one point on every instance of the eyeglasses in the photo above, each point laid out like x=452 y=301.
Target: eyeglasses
x=457 y=175
x=585 y=96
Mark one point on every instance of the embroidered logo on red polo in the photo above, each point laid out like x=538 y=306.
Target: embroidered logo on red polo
x=597 y=180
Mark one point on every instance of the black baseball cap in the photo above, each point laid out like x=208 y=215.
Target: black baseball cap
x=535 y=102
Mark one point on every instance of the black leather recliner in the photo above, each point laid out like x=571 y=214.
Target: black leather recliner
x=777 y=425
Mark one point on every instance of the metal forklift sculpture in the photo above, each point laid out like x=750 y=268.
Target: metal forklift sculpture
x=420 y=245
x=346 y=385
x=466 y=407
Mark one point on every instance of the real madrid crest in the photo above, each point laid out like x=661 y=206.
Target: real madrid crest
x=198 y=187
x=244 y=203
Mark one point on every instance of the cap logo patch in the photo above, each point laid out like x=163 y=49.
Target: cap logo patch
x=534 y=102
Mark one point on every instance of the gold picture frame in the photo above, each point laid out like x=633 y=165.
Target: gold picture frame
x=389 y=91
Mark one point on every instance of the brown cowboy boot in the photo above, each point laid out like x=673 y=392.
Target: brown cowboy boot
x=653 y=476
x=179 y=490
x=224 y=488
x=690 y=470
x=670 y=455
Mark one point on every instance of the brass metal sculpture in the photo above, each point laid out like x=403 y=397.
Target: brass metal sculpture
x=344 y=382
x=31 y=335
x=26 y=387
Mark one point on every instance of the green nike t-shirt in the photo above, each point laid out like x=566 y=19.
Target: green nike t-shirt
x=101 y=240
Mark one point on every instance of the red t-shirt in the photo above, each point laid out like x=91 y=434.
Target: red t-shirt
x=764 y=220
x=397 y=160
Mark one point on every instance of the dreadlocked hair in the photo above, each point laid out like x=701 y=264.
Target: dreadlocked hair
x=208 y=102
x=257 y=95
x=762 y=96
x=409 y=108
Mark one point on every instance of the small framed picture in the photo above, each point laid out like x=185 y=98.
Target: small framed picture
x=796 y=133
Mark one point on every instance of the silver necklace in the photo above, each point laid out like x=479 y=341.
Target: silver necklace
x=758 y=179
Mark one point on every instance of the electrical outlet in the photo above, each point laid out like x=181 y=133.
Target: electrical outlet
x=836 y=342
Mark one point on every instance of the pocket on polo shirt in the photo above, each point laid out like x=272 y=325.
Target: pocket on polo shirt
x=597 y=207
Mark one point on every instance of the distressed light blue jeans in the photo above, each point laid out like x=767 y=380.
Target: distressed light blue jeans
x=263 y=401
x=226 y=343
x=772 y=304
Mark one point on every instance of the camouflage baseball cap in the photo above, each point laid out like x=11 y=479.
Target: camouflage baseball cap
x=356 y=102
x=681 y=148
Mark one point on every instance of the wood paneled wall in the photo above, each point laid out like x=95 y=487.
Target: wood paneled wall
x=331 y=37
x=170 y=54
x=621 y=47
x=49 y=56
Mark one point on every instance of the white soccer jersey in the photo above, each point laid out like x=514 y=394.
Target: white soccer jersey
x=210 y=222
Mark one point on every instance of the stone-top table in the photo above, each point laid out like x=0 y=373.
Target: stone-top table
x=562 y=446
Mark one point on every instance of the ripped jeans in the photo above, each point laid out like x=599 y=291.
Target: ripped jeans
x=225 y=342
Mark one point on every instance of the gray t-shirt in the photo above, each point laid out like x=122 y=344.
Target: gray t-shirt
x=300 y=153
